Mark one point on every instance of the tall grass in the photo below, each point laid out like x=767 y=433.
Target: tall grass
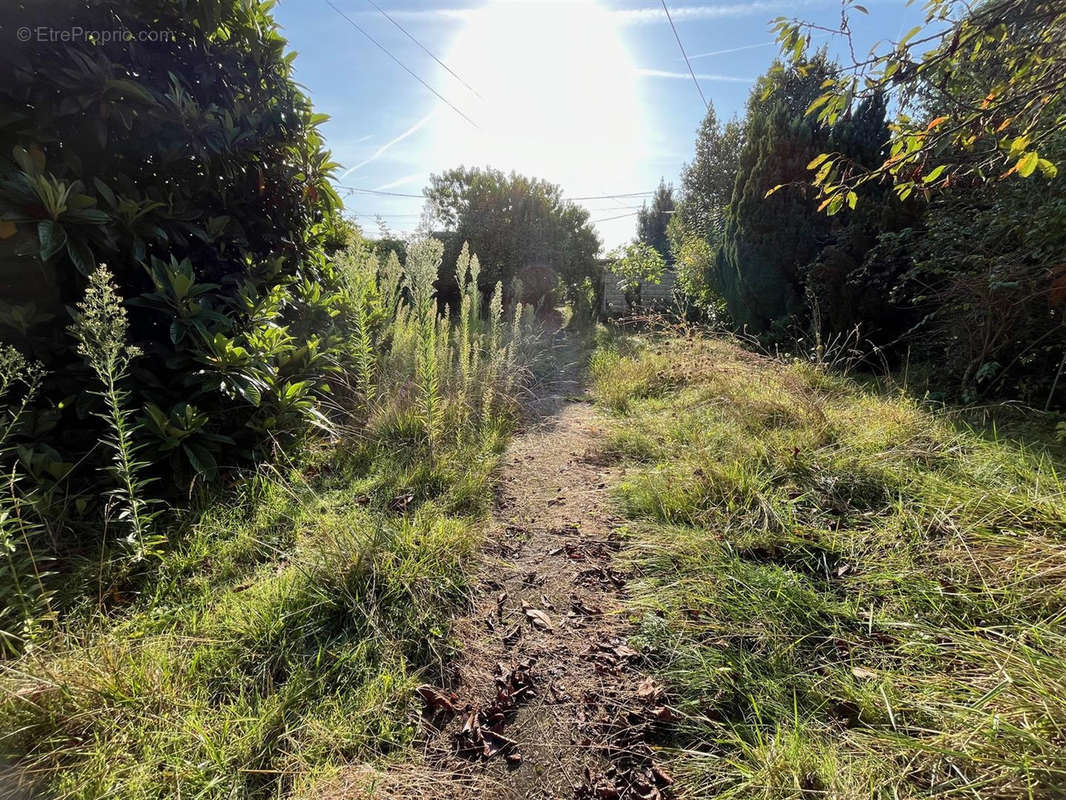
x=279 y=632
x=847 y=594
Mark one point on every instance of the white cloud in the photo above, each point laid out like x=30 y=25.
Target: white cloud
x=651 y=15
x=684 y=76
x=627 y=16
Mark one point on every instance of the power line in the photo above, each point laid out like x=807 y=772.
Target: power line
x=687 y=62
x=610 y=196
x=390 y=216
x=420 y=197
x=378 y=191
x=406 y=69
x=451 y=72
x=620 y=216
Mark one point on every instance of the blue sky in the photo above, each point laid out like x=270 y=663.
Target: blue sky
x=592 y=95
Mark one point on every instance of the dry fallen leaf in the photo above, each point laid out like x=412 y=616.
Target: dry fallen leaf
x=539 y=618
x=649 y=690
x=863 y=673
x=434 y=698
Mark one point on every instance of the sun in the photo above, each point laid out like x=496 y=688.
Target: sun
x=560 y=97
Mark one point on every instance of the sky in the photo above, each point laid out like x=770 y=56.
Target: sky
x=594 y=95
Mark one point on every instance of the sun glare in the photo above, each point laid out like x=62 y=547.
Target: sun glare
x=560 y=98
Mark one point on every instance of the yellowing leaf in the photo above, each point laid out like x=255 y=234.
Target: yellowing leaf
x=934 y=174
x=817 y=160
x=1047 y=169
x=936 y=123
x=1027 y=163
x=7 y=229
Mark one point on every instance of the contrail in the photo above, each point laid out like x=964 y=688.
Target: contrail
x=381 y=150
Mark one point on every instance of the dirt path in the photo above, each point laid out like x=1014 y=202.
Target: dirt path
x=544 y=702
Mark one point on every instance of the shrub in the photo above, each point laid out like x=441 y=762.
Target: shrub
x=190 y=162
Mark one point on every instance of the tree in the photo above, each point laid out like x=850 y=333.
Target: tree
x=768 y=239
x=520 y=228
x=995 y=73
x=652 y=222
x=189 y=161
x=636 y=264
x=772 y=235
x=707 y=182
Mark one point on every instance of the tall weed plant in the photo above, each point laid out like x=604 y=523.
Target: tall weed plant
x=100 y=327
x=458 y=373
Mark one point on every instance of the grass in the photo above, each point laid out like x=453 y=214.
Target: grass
x=279 y=640
x=846 y=593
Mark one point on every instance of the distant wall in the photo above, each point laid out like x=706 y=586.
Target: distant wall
x=651 y=294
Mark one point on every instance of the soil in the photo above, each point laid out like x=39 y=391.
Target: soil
x=544 y=700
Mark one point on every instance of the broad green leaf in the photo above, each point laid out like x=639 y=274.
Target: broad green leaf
x=934 y=174
x=1047 y=169
x=53 y=238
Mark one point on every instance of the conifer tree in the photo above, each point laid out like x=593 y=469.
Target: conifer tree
x=773 y=232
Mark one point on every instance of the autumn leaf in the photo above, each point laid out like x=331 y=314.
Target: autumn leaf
x=539 y=619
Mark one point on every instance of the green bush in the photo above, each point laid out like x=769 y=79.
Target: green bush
x=187 y=160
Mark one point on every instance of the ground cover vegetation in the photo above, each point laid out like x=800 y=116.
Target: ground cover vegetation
x=846 y=593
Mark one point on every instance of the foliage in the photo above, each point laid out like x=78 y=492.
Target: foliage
x=843 y=593
x=521 y=227
x=423 y=262
x=988 y=272
x=996 y=73
x=281 y=628
x=707 y=182
x=770 y=270
x=652 y=222
x=693 y=260
x=24 y=596
x=636 y=264
x=191 y=164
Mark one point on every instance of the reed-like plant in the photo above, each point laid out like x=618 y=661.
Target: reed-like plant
x=100 y=327
x=423 y=260
x=360 y=275
x=493 y=354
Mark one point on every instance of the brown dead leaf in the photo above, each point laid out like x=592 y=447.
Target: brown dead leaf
x=649 y=691
x=435 y=698
x=538 y=618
